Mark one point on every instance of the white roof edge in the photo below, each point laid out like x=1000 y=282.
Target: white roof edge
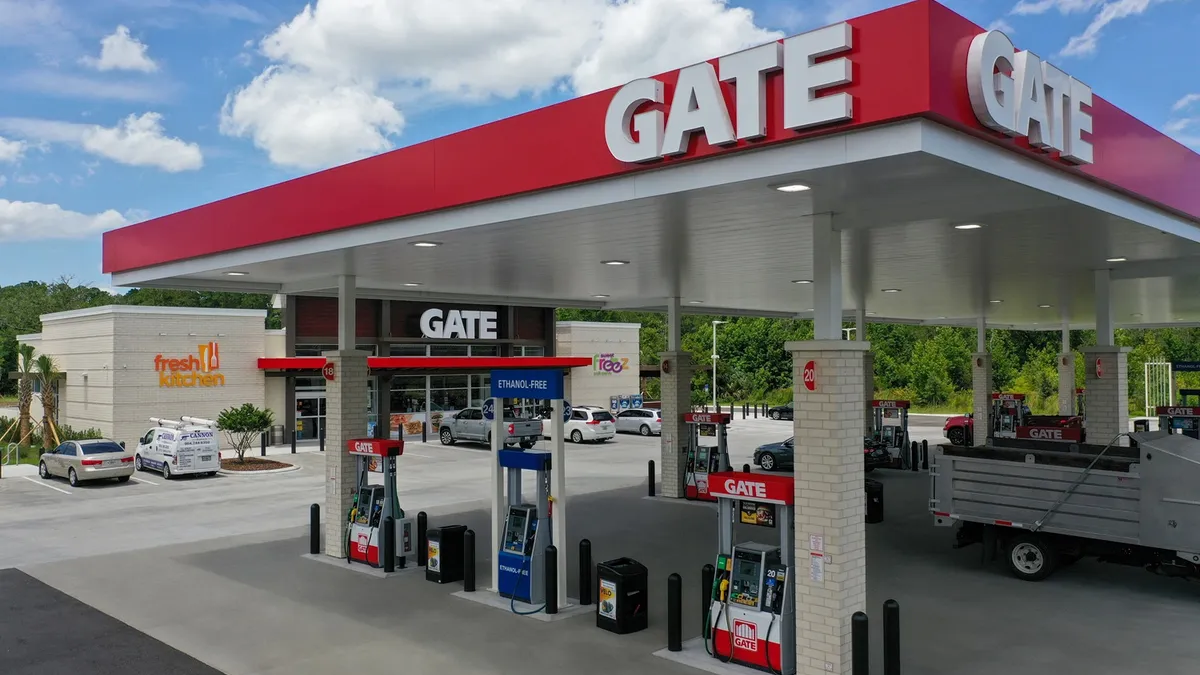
x=598 y=324
x=29 y=337
x=276 y=331
x=152 y=310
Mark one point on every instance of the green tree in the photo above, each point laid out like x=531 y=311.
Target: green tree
x=930 y=374
x=242 y=426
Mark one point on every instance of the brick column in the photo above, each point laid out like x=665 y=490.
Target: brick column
x=981 y=384
x=676 y=400
x=868 y=389
x=829 y=501
x=1066 y=384
x=345 y=419
x=1107 y=393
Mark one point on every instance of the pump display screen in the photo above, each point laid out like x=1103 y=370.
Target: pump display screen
x=745 y=587
x=514 y=535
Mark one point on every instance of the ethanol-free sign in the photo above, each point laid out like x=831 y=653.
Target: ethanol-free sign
x=810 y=376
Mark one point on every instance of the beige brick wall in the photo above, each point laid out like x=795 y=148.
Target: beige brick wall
x=346 y=419
x=981 y=384
x=676 y=401
x=868 y=390
x=1108 y=394
x=1066 y=384
x=591 y=385
x=828 y=425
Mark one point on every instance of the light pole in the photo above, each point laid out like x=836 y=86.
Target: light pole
x=715 y=323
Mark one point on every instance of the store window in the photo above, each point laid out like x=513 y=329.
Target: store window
x=529 y=351
x=448 y=350
x=407 y=350
x=448 y=393
x=481 y=388
x=485 y=350
x=408 y=394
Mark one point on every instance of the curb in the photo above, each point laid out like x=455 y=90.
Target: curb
x=267 y=472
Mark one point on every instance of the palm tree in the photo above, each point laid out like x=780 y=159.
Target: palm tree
x=24 y=388
x=48 y=374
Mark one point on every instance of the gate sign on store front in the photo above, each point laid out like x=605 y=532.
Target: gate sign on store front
x=535 y=384
x=461 y=324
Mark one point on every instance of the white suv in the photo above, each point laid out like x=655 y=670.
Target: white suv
x=589 y=423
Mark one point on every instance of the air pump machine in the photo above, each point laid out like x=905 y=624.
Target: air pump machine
x=375 y=502
x=752 y=612
x=527 y=529
x=705 y=460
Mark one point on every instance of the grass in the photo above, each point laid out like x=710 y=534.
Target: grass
x=8 y=401
x=28 y=455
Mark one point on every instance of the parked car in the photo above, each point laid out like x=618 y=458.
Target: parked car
x=781 y=412
x=469 y=424
x=176 y=448
x=781 y=455
x=959 y=428
x=644 y=421
x=588 y=424
x=94 y=459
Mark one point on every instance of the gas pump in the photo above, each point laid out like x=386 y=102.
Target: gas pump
x=752 y=614
x=375 y=502
x=1008 y=413
x=708 y=458
x=1183 y=418
x=527 y=530
x=889 y=425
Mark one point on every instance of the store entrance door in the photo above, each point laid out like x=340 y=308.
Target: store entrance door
x=310 y=414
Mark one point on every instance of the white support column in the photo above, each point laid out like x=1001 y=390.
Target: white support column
x=676 y=382
x=981 y=385
x=829 y=502
x=558 y=493
x=981 y=335
x=860 y=323
x=1066 y=373
x=674 y=325
x=499 y=508
x=1104 y=322
x=860 y=335
x=827 y=279
x=347 y=300
x=1106 y=376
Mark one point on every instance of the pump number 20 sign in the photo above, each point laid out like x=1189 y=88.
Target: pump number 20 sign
x=810 y=376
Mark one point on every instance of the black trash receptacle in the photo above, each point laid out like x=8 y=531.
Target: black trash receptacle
x=1141 y=425
x=444 y=557
x=622 y=596
x=874 y=490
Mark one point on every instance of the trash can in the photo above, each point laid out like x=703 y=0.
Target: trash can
x=622 y=596
x=874 y=491
x=1141 y=425
x=444 y=557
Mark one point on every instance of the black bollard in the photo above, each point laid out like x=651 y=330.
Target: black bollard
x=891 y=638
x=706 y=583
x=424 y=432
x=755 y=411
x=389 y=545
x=263 y=440
x=745 y=468
x=322 y=439
x=650 y=471
x=860 y=645
x=925 y=455
x=585 y=572
x=469 y=561
x=915 y=453
x=674 y=613
x=422 y=538
x=314 y=529
x=551 y=579
x=293 y=441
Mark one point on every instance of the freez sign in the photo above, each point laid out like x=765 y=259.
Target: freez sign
x=759 y=487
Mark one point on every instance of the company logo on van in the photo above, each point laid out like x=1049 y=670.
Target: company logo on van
x=745 y=635
x=194 y=370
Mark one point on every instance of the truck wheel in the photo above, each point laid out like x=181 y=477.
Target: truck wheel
x=957 y=436
x=1030 y=558
x=447 y=437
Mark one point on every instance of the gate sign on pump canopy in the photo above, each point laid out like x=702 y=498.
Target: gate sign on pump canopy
x=489 y=409
x=753 y=486
x=535 y=384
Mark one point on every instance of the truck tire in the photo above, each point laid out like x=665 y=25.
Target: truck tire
x=957 y=436
x=447 y=436
x=1030 y=556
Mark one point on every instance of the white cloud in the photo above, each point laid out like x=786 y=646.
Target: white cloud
x=11 y=151
x=56 y=83
x=1185 y=128
x=3 y=180
x=1086 y=42
x=121 y=51
x=135 y=141
x=1028 y=7
x=1002 y=26
x=28 y=221
x=341 y=67
x=1185 y=102
x=32 y=22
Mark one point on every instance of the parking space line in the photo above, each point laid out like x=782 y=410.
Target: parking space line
x=46 y=485
x=142 y=480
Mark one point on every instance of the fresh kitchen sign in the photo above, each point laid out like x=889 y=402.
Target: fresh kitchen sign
x=608 y=364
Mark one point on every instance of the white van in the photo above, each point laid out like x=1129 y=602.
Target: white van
x=172 y=447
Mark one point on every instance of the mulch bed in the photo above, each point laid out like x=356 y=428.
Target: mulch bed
x=252 y=464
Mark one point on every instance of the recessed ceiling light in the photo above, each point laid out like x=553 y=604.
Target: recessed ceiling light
x=802 y=281
x=794 y=187
x=1035 y=323
x=968 y=226
x=1044 y=306
x=426 y=244
x=411 y=284
x=891 y=290
x=995 y=302
x=236 y=274
x=1116 y=259
x=941 y=317
x=599 y=295
x=695 y=302
x=615 y=262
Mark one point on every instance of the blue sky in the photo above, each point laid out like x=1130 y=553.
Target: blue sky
x=112 y=112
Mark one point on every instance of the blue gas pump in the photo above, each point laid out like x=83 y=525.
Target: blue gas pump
x=527 y=529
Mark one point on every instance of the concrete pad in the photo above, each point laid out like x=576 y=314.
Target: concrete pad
x=19 y=470
x=376 y=572
x=528 y=611
x=695 y=655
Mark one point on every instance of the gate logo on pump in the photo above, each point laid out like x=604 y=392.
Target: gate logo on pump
x=363 y=541
x=745 y=635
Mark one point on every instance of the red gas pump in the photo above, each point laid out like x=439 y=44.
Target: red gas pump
x=1008 y=412
x=707 y=458
x=889 y=426
x=374 y=503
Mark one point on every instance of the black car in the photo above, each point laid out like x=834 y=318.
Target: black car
x=875 y=455
x=781 y=412
x=781 y=455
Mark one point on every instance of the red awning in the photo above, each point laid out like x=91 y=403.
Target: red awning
x=465 y=363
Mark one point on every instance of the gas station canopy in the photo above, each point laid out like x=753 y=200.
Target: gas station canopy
x=883 y=128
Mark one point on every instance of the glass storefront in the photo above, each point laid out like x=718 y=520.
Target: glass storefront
x=310 y=395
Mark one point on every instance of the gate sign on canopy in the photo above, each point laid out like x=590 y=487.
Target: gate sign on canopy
x=535 y=384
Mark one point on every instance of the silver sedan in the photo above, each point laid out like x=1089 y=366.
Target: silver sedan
x=644 y=421
x=93 y=459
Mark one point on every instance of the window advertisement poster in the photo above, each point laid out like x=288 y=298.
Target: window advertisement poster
x=757 y=513
x=608 y=599
x=709 y=430
x=614 y=403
